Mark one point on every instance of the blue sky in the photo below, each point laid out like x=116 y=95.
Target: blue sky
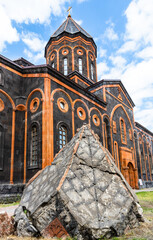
x=122 y=30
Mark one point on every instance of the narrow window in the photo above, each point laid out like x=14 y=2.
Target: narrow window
x=34 y=146
x=92 y=72
x=123 y=131
x=62 y=136
x=1 y=146
x=53 y=65
x=80 y=65
x=65 y=66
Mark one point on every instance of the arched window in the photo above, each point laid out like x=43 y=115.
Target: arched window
x=62 y=136
x=34 y=146
x=92 y=71
x=1 y=146
x=65 y=66
x=116 y=154
x=123 y=131
x=80 y=65
x=53 y=65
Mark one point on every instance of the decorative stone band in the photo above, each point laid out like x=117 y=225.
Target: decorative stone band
x=1 y=105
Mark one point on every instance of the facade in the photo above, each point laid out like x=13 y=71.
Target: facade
x=41 y=108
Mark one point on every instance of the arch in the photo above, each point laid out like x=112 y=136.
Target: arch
x=113 y=111
x=52 y=52
x=80 y=47
x=35 y=90
x=111 y=118
x=105 y=115
x=93 y=54
x=64 y=46
x=94 y=108
x=61 y=90
x=79 y=100
x=21 y=107
x=8 y=96
x=13 y=134
x=25 y=134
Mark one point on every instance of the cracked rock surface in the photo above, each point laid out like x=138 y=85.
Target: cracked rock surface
x=81 y=194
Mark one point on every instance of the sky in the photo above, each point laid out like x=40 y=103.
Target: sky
x=122 y=30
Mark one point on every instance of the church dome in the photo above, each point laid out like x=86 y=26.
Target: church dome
x=70 y=26
x=70 y=48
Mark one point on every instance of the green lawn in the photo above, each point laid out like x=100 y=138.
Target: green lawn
x=9 y=204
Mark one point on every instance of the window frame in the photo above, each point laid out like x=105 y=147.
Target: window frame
x=60 y=146
x=92 y=71
x=123 y=131
x=30 y=165
x=80 y=65
x=65 y=64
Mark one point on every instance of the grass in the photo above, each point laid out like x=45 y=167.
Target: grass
x=9 y=204
x=145 y=196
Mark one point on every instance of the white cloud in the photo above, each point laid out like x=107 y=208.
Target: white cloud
x=25 y=11
x=146 y=53
x=78 y=21
x=118 y=61
x=81 y=1
x=110 y=34
x=33 y=41
x=139 y=21
x=102 y=68
x=28 y=11
x=7 y=32
x=136 y=72
x=102 y=52
x=34 y=57
x=128 y=46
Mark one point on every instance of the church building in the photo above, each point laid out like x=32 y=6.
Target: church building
x=42 y=106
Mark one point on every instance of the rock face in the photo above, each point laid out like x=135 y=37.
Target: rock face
x=81 y=194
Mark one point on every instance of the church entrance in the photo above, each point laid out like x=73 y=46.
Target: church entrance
x=131 y=175
x=128 y=167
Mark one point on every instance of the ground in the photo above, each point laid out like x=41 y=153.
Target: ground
x=143 y=232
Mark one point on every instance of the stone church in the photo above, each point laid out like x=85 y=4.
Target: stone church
x=42 y=106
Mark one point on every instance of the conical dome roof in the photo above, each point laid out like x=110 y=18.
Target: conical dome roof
x=70 y=26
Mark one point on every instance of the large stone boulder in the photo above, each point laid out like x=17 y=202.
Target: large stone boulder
x=81 y=194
